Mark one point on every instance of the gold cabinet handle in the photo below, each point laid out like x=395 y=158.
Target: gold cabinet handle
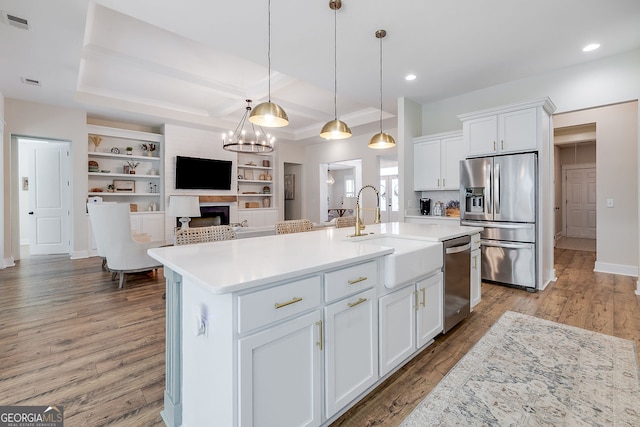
x=424 y=297
x=319 y=342
x=284 y=304
x=494 y=146
x=358 y=280
x=417 y=303
x=475 y=262
x=438 y=182
x=502 y=144
x=353 y=304
x=443 y=184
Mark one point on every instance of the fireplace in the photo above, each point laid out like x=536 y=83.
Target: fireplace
x=210 y=215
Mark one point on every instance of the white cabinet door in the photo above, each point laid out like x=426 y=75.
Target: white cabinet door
x=475 y=277
x=480 y=135
x=452 y=150
x=397 y=328
x=426 y=165
x=351 y=349
x=429 y=319
x=517 y=131
x=280 y=374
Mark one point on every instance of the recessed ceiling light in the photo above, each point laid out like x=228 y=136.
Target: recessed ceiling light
x=590 y=47
x=410 y=77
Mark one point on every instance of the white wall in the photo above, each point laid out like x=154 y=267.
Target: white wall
x=346 y=149
x=603 y=82
x=191 y=142
x=25 y=118
x=617 y=179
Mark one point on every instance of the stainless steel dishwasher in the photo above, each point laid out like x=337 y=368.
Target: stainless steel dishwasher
x=457 y=276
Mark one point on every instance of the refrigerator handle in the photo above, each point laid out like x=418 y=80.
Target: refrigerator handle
x=496 y=188
x=489 y=201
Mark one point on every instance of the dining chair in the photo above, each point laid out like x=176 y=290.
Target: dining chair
x=293 y=226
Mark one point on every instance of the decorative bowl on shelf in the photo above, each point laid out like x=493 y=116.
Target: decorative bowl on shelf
x=105 y=171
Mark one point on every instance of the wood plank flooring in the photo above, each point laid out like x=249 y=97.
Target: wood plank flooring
x=68 y=336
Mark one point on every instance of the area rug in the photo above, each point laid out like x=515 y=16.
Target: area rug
x=527 y=371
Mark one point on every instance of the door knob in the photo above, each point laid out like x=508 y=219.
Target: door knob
x=31 y=213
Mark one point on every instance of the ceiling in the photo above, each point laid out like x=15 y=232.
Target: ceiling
x=196 y=61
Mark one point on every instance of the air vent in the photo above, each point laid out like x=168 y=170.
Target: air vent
x=28 y=81
x=14 y=20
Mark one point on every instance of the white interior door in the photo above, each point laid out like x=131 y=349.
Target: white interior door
x=389 y=198
x=49 y=198
x=580 y=202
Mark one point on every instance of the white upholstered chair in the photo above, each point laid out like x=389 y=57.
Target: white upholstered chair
x=293 y=226
x=111 y=225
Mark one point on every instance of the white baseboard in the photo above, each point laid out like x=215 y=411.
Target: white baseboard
x=8 y=262
x=638 y=287
x=624 y=270
x=79 y=254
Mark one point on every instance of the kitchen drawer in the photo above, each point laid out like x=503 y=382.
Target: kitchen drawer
x=349 y=280
x=280 y=302
x=475 y=241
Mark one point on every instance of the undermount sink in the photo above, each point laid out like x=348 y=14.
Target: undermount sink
x=410 y=260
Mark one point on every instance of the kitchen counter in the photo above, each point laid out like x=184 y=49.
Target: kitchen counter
x=243 y=314
x=234 y=265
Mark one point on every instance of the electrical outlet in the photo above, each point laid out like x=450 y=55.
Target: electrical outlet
x=201 y=326
x=609 y=203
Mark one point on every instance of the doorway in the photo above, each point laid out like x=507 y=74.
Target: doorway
x=576 y=219
x=389 y=190
x=339 y=182
x=44 y=196
x=293 y=202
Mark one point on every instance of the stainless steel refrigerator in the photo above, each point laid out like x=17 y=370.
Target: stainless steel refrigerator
x=500 y=193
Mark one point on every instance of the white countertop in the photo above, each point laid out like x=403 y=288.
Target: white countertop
x=234 y=265
x=438 y=217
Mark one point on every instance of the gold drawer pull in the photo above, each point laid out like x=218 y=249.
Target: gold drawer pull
x=284 y=304
x=417 y=300
x=353 y=304
x=358 y=280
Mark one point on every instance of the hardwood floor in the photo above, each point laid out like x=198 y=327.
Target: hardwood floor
x=68 y=336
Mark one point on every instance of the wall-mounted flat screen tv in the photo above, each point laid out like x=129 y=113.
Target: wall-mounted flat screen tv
x=193 y=173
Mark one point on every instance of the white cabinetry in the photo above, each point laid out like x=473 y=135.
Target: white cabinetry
x=511 y=129
x=258 y=217
x=351 y=355
x=437 y=161
x=151 y=223
x=476 y=280
x=283 y=362
x=409 y=319
x=108 y=162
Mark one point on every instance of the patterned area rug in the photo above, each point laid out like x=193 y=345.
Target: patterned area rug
x=527 y=371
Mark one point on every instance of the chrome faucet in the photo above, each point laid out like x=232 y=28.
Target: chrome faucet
x=359 y=225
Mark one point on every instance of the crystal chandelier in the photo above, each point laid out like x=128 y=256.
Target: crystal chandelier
x=251 y=141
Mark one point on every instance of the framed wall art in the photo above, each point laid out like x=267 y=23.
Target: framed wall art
x=124 y=185
x=289 y=187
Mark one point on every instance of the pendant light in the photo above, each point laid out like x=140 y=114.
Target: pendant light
x=335 y=129
x=382 y=139
x=241 y=141
x=267 y=113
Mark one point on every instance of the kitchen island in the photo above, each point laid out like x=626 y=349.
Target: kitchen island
x=287 y=330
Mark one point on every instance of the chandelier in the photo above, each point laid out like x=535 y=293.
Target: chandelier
x=252 y=141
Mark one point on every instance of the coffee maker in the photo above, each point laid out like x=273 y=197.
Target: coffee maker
x=425 y=206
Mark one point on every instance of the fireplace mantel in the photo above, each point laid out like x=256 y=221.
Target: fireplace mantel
x=218 y=199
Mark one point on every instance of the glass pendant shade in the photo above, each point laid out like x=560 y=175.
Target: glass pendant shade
x=335 y=129
x=269 y=115
x=382 y=140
